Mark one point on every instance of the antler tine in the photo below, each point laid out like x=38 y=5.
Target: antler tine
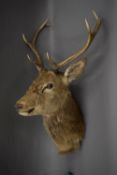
x=32 y=45
x=91 y=36
x=51 y=61
x=44 y=24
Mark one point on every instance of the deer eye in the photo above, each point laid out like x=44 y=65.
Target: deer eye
x=49 y=86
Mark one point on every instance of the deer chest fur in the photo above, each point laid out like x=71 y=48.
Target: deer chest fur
x=64 y=128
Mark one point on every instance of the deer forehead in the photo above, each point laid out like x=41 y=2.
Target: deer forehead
x=46 y=77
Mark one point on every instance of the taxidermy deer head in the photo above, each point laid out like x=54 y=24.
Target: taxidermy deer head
x=49 y=94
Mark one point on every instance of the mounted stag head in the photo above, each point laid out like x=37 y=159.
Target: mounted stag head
x=49 y=94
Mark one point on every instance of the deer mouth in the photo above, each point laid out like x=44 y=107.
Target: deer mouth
x=30 y=110
x=27 y=112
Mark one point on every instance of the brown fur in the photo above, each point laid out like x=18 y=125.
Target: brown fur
x=49 y=94
x=61 y=116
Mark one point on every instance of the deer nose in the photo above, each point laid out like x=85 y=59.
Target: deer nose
x=19 y=105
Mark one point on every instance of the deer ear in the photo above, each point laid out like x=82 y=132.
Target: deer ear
x=75 y=70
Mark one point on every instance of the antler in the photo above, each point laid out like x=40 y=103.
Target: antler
x=32 y=45
x=91 y=36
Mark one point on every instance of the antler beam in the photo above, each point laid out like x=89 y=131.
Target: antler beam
x=32 y=45
x=91 y=36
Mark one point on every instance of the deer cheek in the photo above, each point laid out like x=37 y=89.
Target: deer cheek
x=38 y=110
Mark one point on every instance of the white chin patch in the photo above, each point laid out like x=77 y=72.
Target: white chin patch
x=23 y=113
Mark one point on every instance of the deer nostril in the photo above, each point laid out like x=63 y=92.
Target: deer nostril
x=19 y=106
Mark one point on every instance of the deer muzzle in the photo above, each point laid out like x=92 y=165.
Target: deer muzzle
x=23 y=110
